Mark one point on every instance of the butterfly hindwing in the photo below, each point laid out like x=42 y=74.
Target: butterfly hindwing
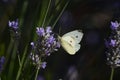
x=69 y=47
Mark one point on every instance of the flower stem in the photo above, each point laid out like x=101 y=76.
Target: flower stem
x=38 y=68
x=112 y=73
x=60 y=15
x=20 y=68
x=10 y=47
x=36 y=74
x=11 y=67
x=46 y=13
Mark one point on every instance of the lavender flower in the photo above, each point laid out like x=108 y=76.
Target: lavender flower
x=13 y=25
x=113 y=45
x=40 y=31
x=48 y=29
x=43 y=65
x=114 y=25
x=2 y=61
x=43 y=46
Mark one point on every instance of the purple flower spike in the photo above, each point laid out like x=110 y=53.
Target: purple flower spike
x=44 y=46
x=113 y=47
x=114 y=25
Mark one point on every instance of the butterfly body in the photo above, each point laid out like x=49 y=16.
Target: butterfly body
x=70 y=41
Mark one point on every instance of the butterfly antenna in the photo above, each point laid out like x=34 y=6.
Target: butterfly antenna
x=59 y=30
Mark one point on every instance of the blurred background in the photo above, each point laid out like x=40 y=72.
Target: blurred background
x=93 y=17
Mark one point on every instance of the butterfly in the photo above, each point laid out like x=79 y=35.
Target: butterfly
x=70 y=41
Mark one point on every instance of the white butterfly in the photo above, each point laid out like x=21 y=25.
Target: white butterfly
x=70 y=41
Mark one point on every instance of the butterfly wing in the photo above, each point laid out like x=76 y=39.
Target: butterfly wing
x=76 y=34
x=70 y=41
x=69 y=44
x=77 y=47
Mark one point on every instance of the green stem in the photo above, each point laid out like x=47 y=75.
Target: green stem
x=10 y=47
x=112 y=73
x=11 y=67
x=36 y=74
x=19 y=60
x=8 y=52
x=46 y=13
x=60 y=14
x=20 y=68
x=37 y=70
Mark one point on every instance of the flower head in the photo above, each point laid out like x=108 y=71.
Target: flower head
x=43 y=46
x=13 y=25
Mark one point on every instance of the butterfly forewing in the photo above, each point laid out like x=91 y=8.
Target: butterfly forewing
x=76 y=34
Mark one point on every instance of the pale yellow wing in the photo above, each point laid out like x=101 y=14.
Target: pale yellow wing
x=69 y=44
x=76 y=34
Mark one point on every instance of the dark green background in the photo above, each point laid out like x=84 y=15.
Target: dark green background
x=93 y=17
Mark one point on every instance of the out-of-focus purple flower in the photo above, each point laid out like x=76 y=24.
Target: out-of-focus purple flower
x=39 y=77
x=72 y=74
x=8 y=1
x=67 y=20
x=43 y=46
x=92 y=38
x=114 y=25
x=13 y=24
x=2 y=61
x=40 y=31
